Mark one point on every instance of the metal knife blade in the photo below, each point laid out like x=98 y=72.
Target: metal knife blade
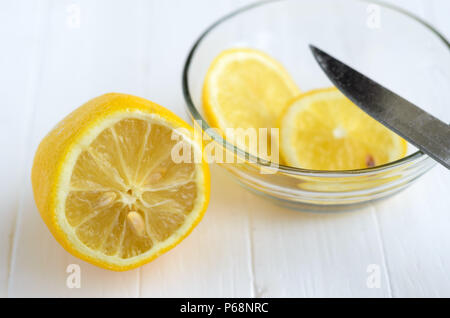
x=429 y=134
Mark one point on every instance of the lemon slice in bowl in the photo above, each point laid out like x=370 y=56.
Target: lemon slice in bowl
x=106 y=183
x=246 y=88
x=323 y=130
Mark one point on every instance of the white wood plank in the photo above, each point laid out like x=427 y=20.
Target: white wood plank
x=100 y=56
x=213 y=261
x=415 y=227
x=315 y=255
x=327 y=255
x=77 y=64
x=414 y=224
x=308 y=255
x=20 y=30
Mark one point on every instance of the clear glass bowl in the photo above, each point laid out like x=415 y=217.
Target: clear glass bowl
x=392 y=46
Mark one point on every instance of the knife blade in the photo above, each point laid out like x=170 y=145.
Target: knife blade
x=426 y=132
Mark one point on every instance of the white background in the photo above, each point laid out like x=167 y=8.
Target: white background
x=245 y=246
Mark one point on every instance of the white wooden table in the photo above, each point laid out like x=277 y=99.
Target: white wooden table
x=52 y=62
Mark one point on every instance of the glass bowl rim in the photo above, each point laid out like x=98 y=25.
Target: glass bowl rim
x=417 y=156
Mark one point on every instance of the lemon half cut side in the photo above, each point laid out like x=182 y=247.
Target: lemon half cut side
x=107 y=187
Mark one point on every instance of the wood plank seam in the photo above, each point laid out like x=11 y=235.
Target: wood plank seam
x=381 y=244
x=251 y=259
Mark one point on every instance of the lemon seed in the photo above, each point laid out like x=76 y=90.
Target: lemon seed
x=136 y=222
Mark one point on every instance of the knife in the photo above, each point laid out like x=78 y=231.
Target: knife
x=429 y=134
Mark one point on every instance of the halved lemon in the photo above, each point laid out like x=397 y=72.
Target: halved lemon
x=245 y=88
x=108 y=187
x=323 y=130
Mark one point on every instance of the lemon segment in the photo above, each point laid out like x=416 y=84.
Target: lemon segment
x=107 y=187
x=323 y=130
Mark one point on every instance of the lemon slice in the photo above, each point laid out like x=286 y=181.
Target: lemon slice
x=245 y=88
x=106 y=183
x=323 y=130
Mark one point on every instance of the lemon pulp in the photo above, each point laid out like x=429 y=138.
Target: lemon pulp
x=128 y=169
x=323 y=130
